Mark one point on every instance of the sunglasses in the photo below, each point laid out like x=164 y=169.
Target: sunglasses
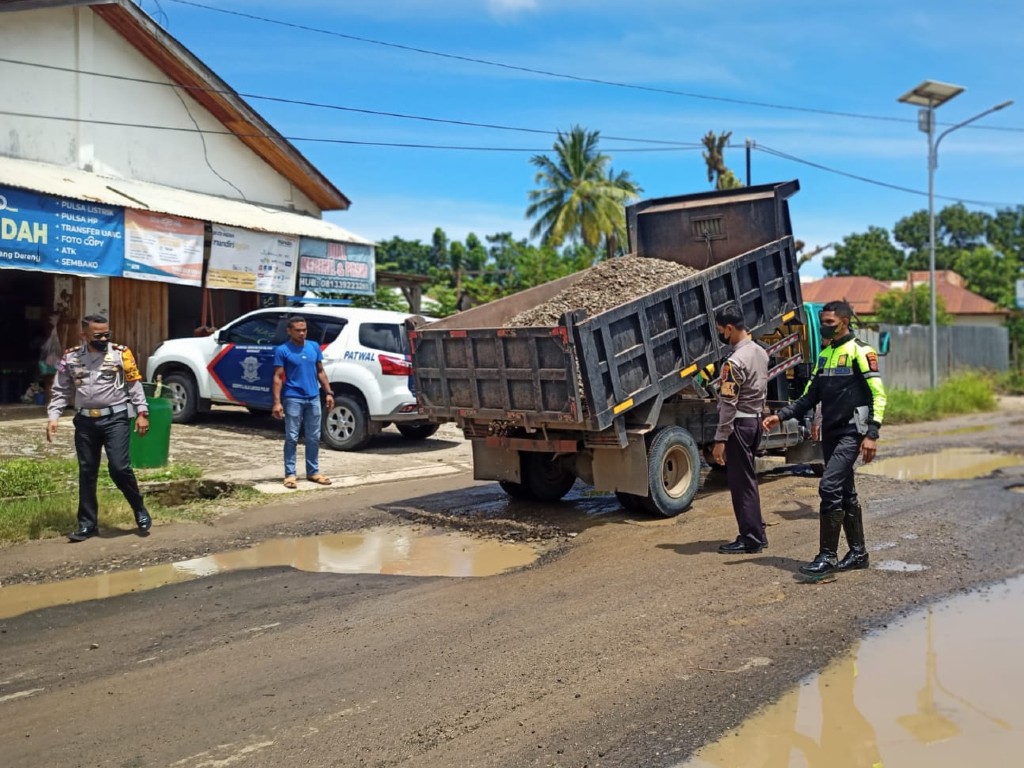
x=101 y=335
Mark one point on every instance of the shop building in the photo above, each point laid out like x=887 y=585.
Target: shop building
x=137 y=184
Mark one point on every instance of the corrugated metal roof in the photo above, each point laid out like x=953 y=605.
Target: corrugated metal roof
x=144 y=196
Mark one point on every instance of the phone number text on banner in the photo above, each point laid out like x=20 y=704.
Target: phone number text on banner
x=336 y=267
x=55 y=234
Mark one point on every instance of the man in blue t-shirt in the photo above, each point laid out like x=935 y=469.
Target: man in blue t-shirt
x=298 y=378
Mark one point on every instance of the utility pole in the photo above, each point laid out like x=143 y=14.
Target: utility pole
x=750 y=144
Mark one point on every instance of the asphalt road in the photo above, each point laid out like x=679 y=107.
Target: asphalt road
x=630 y=643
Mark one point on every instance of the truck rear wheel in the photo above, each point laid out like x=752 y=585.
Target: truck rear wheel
x=631 y=502
x=515 y=490
x=543 y=477
x=673 y=471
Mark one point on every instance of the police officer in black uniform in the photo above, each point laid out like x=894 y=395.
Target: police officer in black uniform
x=847 y=383
x=101 y=381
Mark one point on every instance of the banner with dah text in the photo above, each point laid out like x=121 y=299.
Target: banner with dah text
x=165 y=248
x=54 y=234
x=326 y=267
x=252 y=261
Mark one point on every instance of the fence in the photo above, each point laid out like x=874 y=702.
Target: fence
x=960 y=347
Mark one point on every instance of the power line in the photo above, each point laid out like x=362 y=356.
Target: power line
x=320 y=140
x=320 y=105
x=565 y=76
x=876 y=182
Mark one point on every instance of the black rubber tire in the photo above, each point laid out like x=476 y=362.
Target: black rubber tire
x=417 y=431
x=673 y=471
x=544 y=478
x=631 y=502
x=184 y=396
x=345 y=427
x=516 y=490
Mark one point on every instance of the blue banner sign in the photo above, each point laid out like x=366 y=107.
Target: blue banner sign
x=55 y=234
x=326 y=267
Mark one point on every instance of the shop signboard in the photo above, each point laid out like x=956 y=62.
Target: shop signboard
x=252 y=261
x=161 y=247
x=55 y=234
x=328 y=267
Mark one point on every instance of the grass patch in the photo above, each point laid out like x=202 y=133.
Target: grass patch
x=39 y=498
x=1010 y=382
x=964 y=393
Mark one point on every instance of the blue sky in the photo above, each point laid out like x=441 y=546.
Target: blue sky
x=854 y=58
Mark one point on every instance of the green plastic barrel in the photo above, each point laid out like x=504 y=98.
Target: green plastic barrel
x=154 y=449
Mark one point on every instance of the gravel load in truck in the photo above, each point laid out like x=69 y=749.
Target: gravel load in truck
x=605 y=285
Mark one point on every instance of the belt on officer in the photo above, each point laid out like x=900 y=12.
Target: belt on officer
x=95 y=413
x=742 y=415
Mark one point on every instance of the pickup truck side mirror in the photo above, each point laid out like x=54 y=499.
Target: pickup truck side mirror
x=220 y=337
x=883 y=343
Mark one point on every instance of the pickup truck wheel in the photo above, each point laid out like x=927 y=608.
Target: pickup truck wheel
x=546 y=480
x=184 y=397
x=417 y=431
x=631 y=502
x=346 y=425
x=516 y=490
x=673 y=471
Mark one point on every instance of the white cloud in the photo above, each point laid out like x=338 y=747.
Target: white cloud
x=505 y=7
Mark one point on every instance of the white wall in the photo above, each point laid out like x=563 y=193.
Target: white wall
x=77 y=38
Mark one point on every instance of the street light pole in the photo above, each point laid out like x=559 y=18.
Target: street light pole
x=929 y=95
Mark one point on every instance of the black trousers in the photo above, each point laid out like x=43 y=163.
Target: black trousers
x=837 y=489
x=110 y=433
x=741 y=473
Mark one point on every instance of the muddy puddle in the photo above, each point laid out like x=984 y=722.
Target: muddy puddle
x=940 y=688
x=948 y=464
x=385 y=550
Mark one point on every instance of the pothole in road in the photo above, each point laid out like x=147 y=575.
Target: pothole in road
x=933 y=689
x=949 y=464
x=385 y=550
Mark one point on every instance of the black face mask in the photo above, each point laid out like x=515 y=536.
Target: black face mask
x=100 y=345
x=724 y=339
x=828 y=331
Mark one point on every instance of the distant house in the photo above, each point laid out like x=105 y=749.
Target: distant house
x=966 y=307
x=860 y=291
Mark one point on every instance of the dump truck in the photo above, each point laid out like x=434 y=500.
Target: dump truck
x=623 y=399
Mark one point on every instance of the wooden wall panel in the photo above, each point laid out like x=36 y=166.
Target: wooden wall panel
x=138 y=315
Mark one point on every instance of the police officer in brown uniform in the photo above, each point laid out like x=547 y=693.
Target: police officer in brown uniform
x=744 y=389
x=100 y=380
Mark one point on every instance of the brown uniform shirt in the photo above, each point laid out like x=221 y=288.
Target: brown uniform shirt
x=89 y=379
x=744 y=386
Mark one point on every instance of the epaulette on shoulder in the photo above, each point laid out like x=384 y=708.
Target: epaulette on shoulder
x=860 y=343
x=69 y=350
x=118 y=347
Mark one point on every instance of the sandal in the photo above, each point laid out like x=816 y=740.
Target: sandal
x=319 y=479
x=290 y=482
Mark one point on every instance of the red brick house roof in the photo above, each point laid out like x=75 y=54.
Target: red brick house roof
x=861 y=292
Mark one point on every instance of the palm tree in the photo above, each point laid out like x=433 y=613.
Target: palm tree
x=580 y=197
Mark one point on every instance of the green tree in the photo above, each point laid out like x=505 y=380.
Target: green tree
x=398 y=255
x=956 y=230
x=870 y=253
x=900 y=307
x=579 y=197
x=714 y=157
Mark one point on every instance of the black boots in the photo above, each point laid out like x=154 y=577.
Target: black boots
x=830 y=525
x=853 y=526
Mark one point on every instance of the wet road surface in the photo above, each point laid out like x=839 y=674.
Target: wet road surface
x=630 y=642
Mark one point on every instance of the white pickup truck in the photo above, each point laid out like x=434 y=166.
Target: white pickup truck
x=366 y=358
